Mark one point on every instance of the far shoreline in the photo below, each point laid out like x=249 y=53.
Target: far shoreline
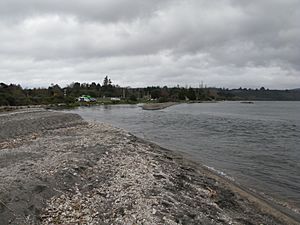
x=145 y=106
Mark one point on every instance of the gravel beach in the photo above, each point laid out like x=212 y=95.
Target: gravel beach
x=55 y=168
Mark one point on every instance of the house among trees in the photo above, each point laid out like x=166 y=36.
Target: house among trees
x=115 y=99
x=86 y=98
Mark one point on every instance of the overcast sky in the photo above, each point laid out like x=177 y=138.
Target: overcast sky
x=224 y=43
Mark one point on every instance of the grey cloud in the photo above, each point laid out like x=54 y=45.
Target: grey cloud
x=90 y=10
x=225 y=42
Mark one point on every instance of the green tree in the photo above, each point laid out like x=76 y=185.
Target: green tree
x=133 y=98
x=191 y=94
x=155 y=94
x=105 y=81
x=182 y=94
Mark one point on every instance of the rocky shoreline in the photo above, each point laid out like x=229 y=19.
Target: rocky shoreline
x=56 y=168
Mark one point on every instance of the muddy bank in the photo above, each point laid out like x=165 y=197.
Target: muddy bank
x=158 y=106
x=67 y=171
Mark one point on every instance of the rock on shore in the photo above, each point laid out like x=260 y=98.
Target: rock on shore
x=57 y=169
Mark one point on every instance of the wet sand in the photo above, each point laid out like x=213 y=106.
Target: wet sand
x=56 y=168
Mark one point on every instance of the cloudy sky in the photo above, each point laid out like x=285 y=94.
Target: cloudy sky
x=224 y=43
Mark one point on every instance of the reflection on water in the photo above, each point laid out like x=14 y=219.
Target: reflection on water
x=258 y=144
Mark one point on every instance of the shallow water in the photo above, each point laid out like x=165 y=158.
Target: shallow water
x=256 y=144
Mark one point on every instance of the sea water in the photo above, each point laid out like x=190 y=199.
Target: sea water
x=258 y=145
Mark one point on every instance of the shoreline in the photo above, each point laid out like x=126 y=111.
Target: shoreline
x=266 y=205
x=114 y=176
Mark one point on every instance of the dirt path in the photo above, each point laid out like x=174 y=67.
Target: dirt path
x=57 y=169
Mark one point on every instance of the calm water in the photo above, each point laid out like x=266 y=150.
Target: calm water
x=256 y=144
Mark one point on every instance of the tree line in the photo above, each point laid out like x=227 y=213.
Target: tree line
x=15 y=95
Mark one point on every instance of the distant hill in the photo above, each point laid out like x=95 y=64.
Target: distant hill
x=261 y=94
